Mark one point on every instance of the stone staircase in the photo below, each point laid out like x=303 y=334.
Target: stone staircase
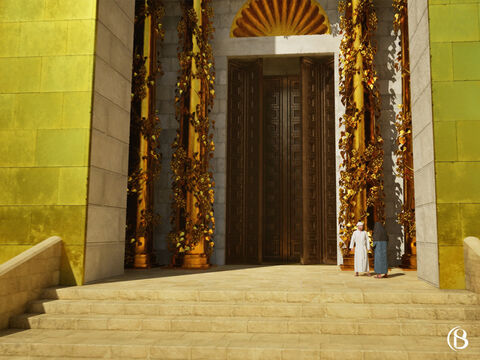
x=366 y=321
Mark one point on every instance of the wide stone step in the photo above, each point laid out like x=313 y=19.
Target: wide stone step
x=242 y=324
x=90 y=344
x=372 y=296
x=293 y=310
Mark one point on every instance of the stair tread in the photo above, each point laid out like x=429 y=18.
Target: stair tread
x=242 y=318
x=247 y=303
x=105 y=286
x=177 y=338
x=74 y=290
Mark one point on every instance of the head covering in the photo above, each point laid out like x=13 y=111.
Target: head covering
x=359 y=223
x=379 y=233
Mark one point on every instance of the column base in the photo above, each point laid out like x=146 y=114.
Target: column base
x=195 y=261
x=142 y=261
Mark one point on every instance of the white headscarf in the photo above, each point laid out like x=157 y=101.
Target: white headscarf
x=359 y=223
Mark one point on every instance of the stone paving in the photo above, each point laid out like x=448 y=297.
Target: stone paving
x=246 y=312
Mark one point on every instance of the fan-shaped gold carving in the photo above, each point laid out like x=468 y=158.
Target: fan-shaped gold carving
x=280 y=17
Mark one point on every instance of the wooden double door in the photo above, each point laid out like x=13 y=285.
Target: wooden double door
x=281 y=165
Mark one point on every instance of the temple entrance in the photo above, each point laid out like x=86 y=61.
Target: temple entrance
x=281 y=162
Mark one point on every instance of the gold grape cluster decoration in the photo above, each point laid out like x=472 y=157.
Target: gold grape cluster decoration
x=404 y=117
x=403 y=123
x=361 y=171
x=191 y=173
x=141 y=178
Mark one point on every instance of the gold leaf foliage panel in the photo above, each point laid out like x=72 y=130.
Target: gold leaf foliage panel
x=280 y=17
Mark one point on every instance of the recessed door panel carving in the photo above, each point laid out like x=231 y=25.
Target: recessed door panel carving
x=294 y=171
x=273 y=185
x=282 y=170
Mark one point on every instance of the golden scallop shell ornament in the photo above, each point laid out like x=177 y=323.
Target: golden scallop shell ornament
x=280 y=17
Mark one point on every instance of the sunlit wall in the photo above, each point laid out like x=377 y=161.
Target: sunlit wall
x=46 y=77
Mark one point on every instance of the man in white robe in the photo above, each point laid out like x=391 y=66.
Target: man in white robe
x=362 y=245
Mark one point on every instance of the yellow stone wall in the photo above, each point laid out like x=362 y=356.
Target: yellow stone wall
x=46 y=76
x=455 y=50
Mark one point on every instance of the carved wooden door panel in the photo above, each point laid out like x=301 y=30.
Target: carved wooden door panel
x=273 y=231
x=329 y=243
x=319 y=190
x=252 y=162
x=294 y=175
x=282 y=170
x=311 y=177
x=242 y=225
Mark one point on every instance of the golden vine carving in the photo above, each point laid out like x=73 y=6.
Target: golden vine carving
x=360 y=171
x=141 y=178
x=192 y=174
x=403 y=124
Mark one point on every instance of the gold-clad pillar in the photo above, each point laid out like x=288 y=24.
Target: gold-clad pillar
x=143 y=246
x=358 y=96
x=195 y=257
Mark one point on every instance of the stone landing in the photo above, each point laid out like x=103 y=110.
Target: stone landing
x=245 y=312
